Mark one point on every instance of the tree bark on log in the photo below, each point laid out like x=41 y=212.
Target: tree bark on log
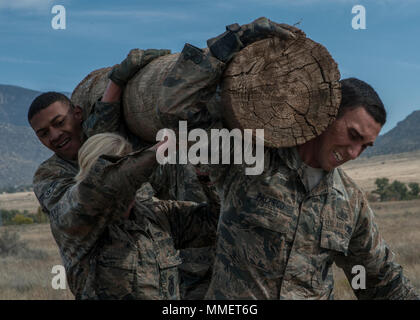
x=288 y=88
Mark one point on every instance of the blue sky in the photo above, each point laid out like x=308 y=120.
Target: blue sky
x=100 y=33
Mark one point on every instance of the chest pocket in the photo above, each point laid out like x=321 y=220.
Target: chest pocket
x=168 y=260
x=269 y=204
x=337 y=226
x=167 y=256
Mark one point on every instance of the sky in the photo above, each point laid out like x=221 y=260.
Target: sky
x=98 y=34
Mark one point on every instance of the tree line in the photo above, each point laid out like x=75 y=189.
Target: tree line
x=396 y=190
x=14 y=217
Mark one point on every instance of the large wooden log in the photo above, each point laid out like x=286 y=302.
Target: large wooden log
x=139 y=98
x=289 y=88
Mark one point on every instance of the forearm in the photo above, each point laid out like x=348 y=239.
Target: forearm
x=112 y=92
x=189 y=87
x=193 y=225
x=104 y=117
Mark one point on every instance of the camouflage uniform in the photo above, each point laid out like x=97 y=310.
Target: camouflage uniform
x=81 y=213
x=276 y=239
x=182 y=183
x=179 y=182
x=101 y=252
x=139 y=258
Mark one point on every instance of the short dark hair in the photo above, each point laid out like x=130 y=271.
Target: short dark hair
x=356 y=93
x=44 y=100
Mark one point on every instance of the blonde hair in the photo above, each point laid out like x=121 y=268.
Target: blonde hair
x=97 y=145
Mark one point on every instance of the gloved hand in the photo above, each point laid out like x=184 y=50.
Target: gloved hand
x=236 y=37
x=136 y=59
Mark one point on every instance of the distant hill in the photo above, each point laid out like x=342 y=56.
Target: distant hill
x=20 y=150
x=14 y=104
x=405 y=137
x=20 y=155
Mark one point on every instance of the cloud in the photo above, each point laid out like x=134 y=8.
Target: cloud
x=19 y=61
x=144 y=14
x=300 y=3
x=408 y=65
x=25 y=4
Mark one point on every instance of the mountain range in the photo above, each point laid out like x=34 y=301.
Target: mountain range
x=404 y=137
x=21 y=152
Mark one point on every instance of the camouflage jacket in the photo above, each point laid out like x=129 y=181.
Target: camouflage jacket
x=58 y=195
x=139 y=258
x=182 y=183
x=277 y=240
x=179 y=100
x=189 y=93
x=80 y=213
x=106 y=256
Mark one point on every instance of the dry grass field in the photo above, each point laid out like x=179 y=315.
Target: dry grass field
x=28 y=276
x=404 y=167
x=399 y=225
x=19 y=201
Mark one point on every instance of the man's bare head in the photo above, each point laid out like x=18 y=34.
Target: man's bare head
x=57 y=124
x=360 y=118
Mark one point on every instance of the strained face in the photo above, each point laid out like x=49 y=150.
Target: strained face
x=346 y=138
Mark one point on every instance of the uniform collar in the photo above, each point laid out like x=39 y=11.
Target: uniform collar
x=74 y=163
x=332 y=180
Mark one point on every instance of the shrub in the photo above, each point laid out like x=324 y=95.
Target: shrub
x=396 y=190
x=21 y=219
x=12 y=245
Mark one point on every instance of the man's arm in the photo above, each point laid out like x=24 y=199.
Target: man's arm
x=189 y=89
x=80 y=212
x=193 y=225
x=106 y=115
x=384 y=277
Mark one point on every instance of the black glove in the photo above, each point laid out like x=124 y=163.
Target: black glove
x=136 y=59
x=224 y=46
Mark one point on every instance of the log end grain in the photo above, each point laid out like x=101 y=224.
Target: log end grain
x=288 y=88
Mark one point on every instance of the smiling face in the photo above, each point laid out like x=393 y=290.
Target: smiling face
x=59 y=128
x=345 y=139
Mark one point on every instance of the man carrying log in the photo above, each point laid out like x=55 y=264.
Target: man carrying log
x=80 y=213
x=280 y=232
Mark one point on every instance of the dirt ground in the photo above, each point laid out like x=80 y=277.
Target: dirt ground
x=19 y=201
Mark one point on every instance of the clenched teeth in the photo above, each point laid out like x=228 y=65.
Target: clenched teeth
x=63 y=143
